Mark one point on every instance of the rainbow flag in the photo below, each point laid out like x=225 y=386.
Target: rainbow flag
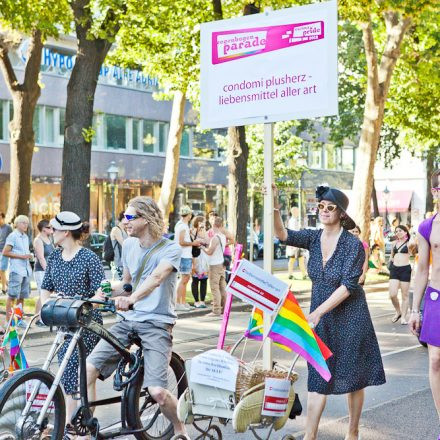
x=18 y=359
x=290 y=328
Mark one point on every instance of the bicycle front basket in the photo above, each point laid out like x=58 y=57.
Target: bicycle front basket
x=65 y=312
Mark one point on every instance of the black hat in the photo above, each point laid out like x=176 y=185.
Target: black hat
x=339 y=199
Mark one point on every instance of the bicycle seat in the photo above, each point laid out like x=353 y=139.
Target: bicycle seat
x=134 y=338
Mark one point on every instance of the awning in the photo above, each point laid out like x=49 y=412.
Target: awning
x=397 y=201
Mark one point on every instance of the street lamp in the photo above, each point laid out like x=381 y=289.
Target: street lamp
x=386 y=194
x=113 y=172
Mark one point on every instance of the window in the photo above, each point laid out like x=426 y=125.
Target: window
x=2 y=124
x=204 y=145
x=315 y=158
x=163 y=136
x=331 y=157
x=62 y=125
x=136 y=137
x=115 y=132
x=348 y=158
x=148 y=139
x=95 y=125
x=49 y=117
x=36 y=124
x=184 y=144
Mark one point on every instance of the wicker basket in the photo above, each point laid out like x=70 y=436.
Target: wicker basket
x=250 y=375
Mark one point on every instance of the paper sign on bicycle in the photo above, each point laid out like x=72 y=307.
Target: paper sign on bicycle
x=41 y=396
x=276 y=397
x=255 y=286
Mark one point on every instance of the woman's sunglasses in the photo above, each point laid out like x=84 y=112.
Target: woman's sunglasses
x=330 y=208
x=129 y=217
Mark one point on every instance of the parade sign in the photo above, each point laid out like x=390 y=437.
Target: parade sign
x=215 y=368
x=274 y=66
x=276 y=397
x=255 y=286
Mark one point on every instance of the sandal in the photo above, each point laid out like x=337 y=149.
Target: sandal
x=396 y=318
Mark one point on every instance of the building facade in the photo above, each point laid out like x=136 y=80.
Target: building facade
x=130 y=128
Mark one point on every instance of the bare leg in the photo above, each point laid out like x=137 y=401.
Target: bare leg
x=181 y=288
x=393 y=290
x=290 y=266
x=404 y=288
x=315 y=407
x=168 y=405
x=3 y=279
x=434 y=375
x=9 y=305
x=302 y=267
x=355 y=403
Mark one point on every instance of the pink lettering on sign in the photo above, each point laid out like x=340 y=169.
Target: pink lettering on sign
x=236 y=44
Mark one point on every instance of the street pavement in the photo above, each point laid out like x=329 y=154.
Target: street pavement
x=401 y=409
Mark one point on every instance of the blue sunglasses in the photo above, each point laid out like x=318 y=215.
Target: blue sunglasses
x=129 y=217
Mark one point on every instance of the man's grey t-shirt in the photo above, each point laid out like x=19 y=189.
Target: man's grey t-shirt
x=5 y=230
x=159 y=305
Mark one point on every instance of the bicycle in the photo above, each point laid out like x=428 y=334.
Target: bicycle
x=32 y=403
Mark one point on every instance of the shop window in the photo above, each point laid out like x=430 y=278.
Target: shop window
x=348 y=158
x=148 y=139
x=315 y=158
x=331 y=157
x=115 y=132
x=36 y=124
x=62 y=125
x=136 y=137
x=2 y=124
x=204 y=145
x=184 y=144
x=50 y=125
x=163 y=136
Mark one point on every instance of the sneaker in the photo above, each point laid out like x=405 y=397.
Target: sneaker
x=189 y=306
x=22 y=323
x=181 y=308
x=290 y=277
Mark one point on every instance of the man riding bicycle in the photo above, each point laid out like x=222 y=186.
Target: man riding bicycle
x=150 y=264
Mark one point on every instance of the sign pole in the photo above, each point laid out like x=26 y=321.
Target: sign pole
x=268 y=233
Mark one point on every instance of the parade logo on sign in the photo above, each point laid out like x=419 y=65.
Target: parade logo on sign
x=236 y=44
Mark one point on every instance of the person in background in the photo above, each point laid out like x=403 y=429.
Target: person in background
x=43 y=247
x=183 y=238
x=117 y=236
x=294 y=253
x=217 y=279
x=427 y=286
x=377 y=234
x=72 y=270
x=20 y=271
x=356 y=231
x=200 y=268
x=5 y=230
x=392 y=235
x=376 y=262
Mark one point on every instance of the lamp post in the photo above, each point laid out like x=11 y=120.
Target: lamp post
x=113 y=172
x=386 y=194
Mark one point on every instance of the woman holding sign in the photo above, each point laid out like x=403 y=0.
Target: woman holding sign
x=339 y=311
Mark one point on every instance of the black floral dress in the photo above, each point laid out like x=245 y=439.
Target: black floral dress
x=347 y=330
x=80 y=276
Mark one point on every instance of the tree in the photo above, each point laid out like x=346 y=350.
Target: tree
x=31 y=22
x=376 y=19
x=95 y=33
x=151 y=40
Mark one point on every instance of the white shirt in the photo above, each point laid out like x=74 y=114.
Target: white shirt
x=182 y=226
x=217 y=256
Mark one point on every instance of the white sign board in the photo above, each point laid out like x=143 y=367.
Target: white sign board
x=276 y=397
x=253 y=285
x=40 y=397
x=215 y=368
x=274 y=66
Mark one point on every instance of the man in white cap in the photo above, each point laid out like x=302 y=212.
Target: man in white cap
x=183 y=238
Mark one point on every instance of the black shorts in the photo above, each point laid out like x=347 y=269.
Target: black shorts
x=401 y=273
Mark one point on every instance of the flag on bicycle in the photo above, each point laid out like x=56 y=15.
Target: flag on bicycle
x=290 y=328
x=18 y=359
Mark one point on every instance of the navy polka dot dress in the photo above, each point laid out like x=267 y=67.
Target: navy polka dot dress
x=80 y=276
x=347 y=330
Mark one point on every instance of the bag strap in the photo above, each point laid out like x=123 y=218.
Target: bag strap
x=146 y=258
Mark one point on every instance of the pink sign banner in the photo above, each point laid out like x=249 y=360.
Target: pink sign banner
x=236 y=44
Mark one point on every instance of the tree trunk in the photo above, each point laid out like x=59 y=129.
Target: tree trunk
x=238 y=153
x=374 y=199
x=171 y=172
x=379 y=78
x=77 y=152
x=22 y=141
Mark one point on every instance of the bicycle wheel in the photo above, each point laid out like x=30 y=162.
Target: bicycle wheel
x=143 y=412
x=14 y=396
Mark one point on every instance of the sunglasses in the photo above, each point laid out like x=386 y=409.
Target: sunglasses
x=330 y=208
x=129 y=217
x=436 y=188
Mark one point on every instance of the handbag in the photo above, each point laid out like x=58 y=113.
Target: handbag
x=195 y=250
x=226 y=260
